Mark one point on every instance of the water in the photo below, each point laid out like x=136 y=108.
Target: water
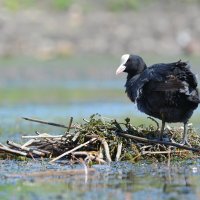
x=115 y=181
x=10 y=114
x=77 y=110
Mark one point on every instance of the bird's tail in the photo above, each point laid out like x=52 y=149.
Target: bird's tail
x=194 y=96
x=182 y=64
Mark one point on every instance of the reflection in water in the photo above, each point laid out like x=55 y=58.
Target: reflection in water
x=115 y=181
x=180 y=185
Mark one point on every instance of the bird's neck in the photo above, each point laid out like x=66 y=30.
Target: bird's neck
x=130 y=76
x=130 y=86
x=137 y=73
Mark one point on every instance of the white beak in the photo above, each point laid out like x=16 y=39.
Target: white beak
x=120 y=69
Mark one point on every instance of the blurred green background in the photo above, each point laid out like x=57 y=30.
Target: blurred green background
x=58 y=57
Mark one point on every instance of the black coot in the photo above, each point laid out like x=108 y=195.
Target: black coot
x=167 y=91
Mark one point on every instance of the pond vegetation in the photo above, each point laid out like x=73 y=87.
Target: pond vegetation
x=99 y=140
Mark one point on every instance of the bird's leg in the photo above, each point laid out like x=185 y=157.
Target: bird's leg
x=162 y=129
x=185 y=139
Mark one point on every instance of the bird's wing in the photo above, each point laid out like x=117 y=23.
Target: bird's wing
x=171 y=84
x=164 y=77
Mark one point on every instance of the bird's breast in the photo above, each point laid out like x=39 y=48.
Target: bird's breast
x=172 y=106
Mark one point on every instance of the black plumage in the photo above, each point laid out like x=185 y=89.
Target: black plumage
x=167 y=91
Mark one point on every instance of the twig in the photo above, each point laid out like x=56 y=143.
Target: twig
x=85 y=153
x=161 y=152
x=156 y=152
x=45 y=122
x=69 y=126
x=100 y=152
x=31 y=141
x=86 y=120
x=99 y=160
x=42 y=136
x=75 y=136
x=13 y=151
x=74 y=149
x=119 y=151
x=44 y=151
x=25 y=148
x=2 y=145
x=157 y=142
x=144 y=147
x=107 y=151
x=80 y=153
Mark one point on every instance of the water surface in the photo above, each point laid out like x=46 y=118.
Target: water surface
x=115 y=181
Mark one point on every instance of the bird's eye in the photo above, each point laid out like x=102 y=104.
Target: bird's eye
x=129 y=61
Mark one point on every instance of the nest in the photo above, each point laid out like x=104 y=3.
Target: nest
x=101 y=140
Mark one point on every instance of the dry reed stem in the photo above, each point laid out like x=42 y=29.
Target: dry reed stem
x=41 y=136
x=89 y=156
x=158 y=142
x=12 y=151
x=74 y=149
x=36 y=152
x=119 y=151
x=45 y=122
x=106 y=149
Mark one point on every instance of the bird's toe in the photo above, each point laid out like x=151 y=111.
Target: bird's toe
x=185 y=142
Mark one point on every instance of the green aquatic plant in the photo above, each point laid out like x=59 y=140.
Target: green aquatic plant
x=100 y=140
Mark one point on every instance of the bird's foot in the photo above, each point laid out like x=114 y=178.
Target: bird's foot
x=185 y=142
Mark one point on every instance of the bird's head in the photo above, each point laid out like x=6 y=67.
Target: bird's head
x=131 y=64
